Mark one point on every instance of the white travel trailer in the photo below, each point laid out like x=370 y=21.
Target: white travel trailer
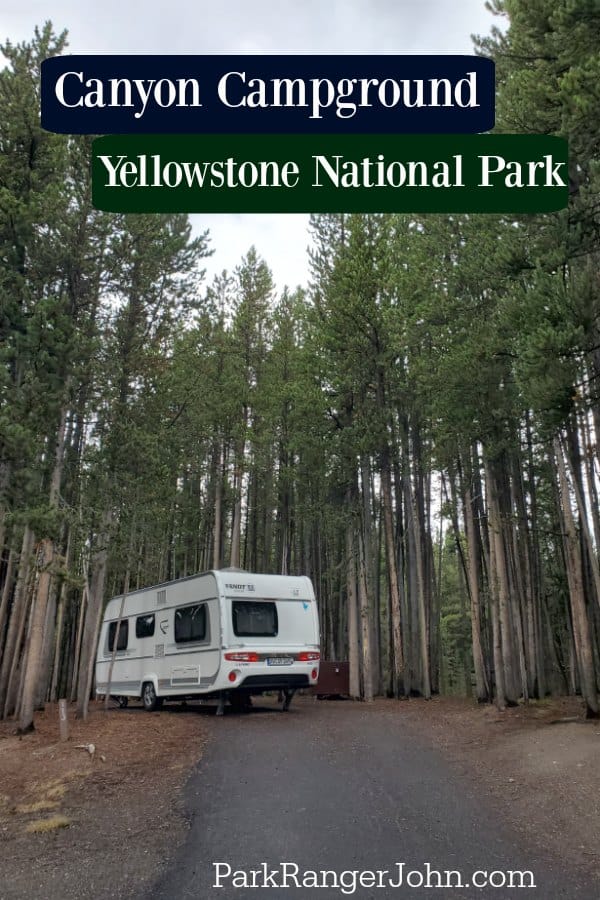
x=226 y=634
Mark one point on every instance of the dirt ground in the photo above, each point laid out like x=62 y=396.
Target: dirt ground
x=107 y=822
x=539 y=764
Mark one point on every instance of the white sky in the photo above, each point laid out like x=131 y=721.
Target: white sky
x=181 y=26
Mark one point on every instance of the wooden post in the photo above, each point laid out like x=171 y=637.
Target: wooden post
x=62 y=720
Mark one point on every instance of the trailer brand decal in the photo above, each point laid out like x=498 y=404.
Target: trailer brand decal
x=241 y=587
x=164 y=625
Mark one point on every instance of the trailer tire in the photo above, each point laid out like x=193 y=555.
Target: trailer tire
x=149 y=698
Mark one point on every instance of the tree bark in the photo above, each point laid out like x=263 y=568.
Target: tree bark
x=365 y=631
x=12 y=645
x=351 y=593
x=581 y=625
x=218 y=520
x=6 y=592
x=496 y=636
x=45 y=563
x=473 y=578
x=397 y=662
x=502 y=588
x=93 y=617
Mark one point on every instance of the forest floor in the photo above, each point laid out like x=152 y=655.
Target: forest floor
x=539 y=765
x=120 y=810
x=108 y=818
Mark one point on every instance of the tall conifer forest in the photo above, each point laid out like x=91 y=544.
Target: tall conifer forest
x=417 y=429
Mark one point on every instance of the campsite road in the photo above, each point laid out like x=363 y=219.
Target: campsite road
x=338 y=787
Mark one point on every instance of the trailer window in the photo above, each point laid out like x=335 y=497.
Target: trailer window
x=190 y=623
x=254 y=618
x=144 y=626
x=123 y=638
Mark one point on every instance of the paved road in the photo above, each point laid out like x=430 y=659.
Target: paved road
x=343 y=787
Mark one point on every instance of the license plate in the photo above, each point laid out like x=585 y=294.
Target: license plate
x=280 y=661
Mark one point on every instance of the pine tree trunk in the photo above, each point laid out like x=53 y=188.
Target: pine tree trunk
x=351 y=593
x=45 y=668
x=397 y=662
x=364 y=617
x=496 y=636
x=585 y=528
x=45 y=558
x=366 y=522
x=473 y=576
x=523 y=557
x=589 y=456
x=581 y=626
x=16 y=624
x=93 y=617
x=411 y=629
x=46 y=553
x=78 y=639
x=58 y=641
x=536 y=567
x=502 y=589
x=5 y=472
x=422 y=606
x=217 y=529
x=238 y=479
x=6 y=592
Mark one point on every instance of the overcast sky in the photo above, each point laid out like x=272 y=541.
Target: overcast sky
x=176 y=26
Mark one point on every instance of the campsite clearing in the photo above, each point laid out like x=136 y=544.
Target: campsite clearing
x=529 y=769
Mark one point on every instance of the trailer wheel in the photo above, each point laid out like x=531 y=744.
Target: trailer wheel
x=149 y=698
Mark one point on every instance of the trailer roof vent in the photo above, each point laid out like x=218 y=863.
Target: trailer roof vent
x=161 y=597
